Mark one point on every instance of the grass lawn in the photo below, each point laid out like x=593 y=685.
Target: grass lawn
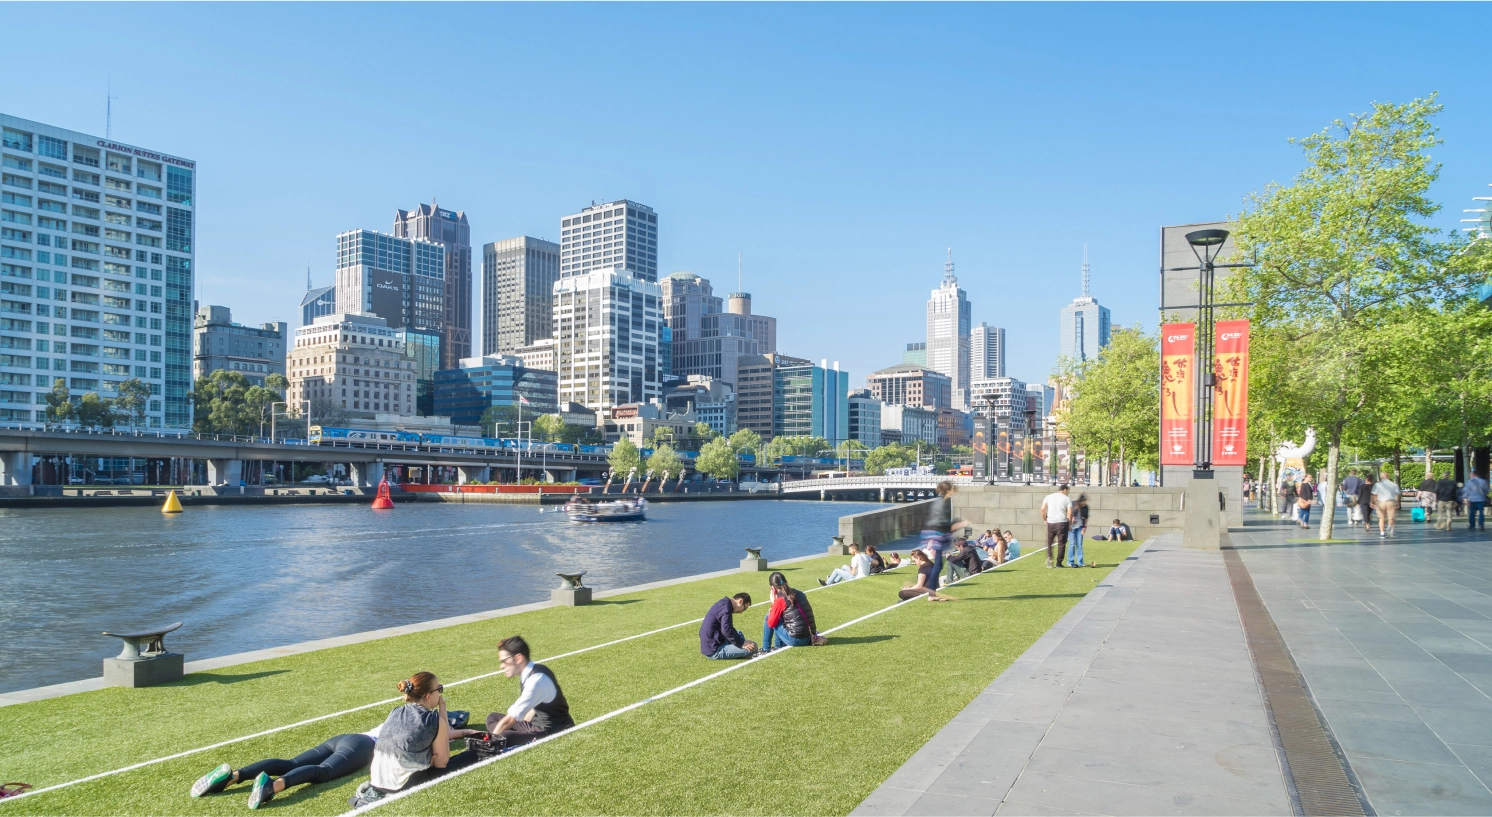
x=811 y=731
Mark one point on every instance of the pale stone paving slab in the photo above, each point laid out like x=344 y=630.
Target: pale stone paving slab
x=1141 y=700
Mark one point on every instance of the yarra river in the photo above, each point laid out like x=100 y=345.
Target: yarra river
x=250 y=578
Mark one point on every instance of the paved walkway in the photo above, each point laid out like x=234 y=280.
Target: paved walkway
x=1144 y=698
x=1394 y=639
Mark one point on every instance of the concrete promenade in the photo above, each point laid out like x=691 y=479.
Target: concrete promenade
x=1145 y=698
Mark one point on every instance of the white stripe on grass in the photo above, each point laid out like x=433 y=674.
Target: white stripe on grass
x=385 y=702
x=399 y=795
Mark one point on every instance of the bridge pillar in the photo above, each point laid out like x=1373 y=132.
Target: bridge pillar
x=473 y=473
x=366 y=474
x=15 y=468
x=883 y=493
x=224 y=472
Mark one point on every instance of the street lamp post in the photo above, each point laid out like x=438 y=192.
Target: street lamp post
x=1028 y=465
x=1206 y=245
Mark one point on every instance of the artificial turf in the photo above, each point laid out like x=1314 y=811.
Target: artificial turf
x=811 y=731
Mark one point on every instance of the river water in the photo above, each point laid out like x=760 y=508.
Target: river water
x=250 y=578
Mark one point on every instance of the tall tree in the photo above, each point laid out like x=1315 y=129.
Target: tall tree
x=1115 y=399
x=548 y=427
x=134 y=397
x=96 y=412
x=1338 y=251
x=746 y=441
x=60 y=407
x=624 y=457
x=718 y=460
x=499 y=421
x=665 y=460
x=893 y=455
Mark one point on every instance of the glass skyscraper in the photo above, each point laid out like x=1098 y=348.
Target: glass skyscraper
x=97 y=252
x=449 y=229
x=401 y=280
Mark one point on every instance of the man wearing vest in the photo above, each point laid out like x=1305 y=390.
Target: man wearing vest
x=541 y=708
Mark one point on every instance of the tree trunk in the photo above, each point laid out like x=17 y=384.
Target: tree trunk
x=1108 y=462
x=1328 y=490
x=1397 y=478
x=1429 y=462
x=1123 y=477
x=1269 y=498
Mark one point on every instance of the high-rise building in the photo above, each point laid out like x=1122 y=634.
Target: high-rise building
x=464 y=394
x=705 y=340
x=96 y=258
x=448 y=228
x=1085 y=324
x=424 y=347
x=756 y=391
x=317 y=302
x=256 y=352
x=908 y=425
x=350 y=366
x=518 y=278
x=620 y=234
x=606 y=326
x=865 y=418
x=539 y=355
x=986 y=352
x=712 y=401
x=948 y=326
x=907 y=385
x=916 y=354
x=811 y=401
x=401 y=280
x=1005 y=395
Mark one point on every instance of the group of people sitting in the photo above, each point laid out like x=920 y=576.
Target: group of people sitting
x=789 y=623
x=412 y=745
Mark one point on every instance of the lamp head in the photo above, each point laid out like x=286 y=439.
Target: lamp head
x=1206 y=238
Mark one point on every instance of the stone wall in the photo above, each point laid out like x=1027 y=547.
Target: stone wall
x=885 y=525
x=1017 y=508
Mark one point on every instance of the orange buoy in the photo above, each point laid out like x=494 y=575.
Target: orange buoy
x=383 y=502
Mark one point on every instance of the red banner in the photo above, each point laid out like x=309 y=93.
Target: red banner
x=1178 y=356
x=1230 y=394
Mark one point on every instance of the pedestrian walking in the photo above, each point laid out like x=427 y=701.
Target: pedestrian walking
x=1474 y=494
x=1056 y=509
x=1077 y=529
x=1349 y=491
x=1426 y=497
x=1305 y=498
x=1386 y=501
x=1446 y=491
x=1287 y=499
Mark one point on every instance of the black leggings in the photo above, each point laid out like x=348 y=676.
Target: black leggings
x=338 y=757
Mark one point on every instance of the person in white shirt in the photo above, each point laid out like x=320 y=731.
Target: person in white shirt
x=541 y=708
x=858 y=568
x=1056 y=509
x=1386 y=501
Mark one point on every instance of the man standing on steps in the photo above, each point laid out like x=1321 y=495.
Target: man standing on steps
x=541 y=708
x=1056 y=509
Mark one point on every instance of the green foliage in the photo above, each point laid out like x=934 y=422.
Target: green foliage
x=225 y=402
x=60 y=407
x=498 y=421
x=574 y=434
x=624 y=458
x=852 y=450
x=717 y=459
x=893 y=455
x=548 y=428
x=798 y=447
x=95 y=412
x=1115 y=399
x=665 y=460
x=746 y=441
x=134 y=397
x=704 y=433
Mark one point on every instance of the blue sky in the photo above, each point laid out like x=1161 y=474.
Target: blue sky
x=841 y=148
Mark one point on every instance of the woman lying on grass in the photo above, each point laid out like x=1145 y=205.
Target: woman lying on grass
x=925 y=568
x=337 y=757
x=414 y=743
x=790 y=618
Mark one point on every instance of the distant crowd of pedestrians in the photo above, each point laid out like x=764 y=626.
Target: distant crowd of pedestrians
x=1369 y=495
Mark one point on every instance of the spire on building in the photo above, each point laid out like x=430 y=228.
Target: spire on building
x=948 y=276
x=1085 y=271
x=308 y=277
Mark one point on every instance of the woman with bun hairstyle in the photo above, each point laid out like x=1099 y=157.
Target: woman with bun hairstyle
x=414 y=743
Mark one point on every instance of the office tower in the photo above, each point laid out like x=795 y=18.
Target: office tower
x=1002 y=395
x=948 y=325
x=464 y=394
x=712 y=401
x=256 y=352
x=756 y=392
x=317 y=302
x=705 y=340
x=449 y=229
x=811 y=401
x=908 y=425
x=424 y=347
x=350 y=366
x=865 y=418
x=401 y=280
x=916 y=354
x=539 y=355
x=518 y=278
x=96 y=256
x=621 y=235
x=986 y=352
x=907 y=385
x=1085 y=324
x=606 y=326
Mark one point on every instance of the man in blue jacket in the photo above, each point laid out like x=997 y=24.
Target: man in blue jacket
x=718 y=636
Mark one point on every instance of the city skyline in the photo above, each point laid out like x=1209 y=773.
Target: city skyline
x=715 y=167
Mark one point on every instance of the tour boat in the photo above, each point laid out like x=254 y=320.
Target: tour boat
x=616 y=510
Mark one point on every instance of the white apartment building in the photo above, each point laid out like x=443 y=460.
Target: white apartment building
x=350 y=365
x=986 y=352
x=948 y=325
x=96 y=261
x=606 y=325
x=620 y=234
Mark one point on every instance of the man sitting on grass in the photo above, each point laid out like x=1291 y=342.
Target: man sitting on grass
x=541 y=708
x=1118 y=532
x=718 y=637
x=858 y=568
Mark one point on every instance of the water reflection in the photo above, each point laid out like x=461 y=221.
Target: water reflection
x=250 y=578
